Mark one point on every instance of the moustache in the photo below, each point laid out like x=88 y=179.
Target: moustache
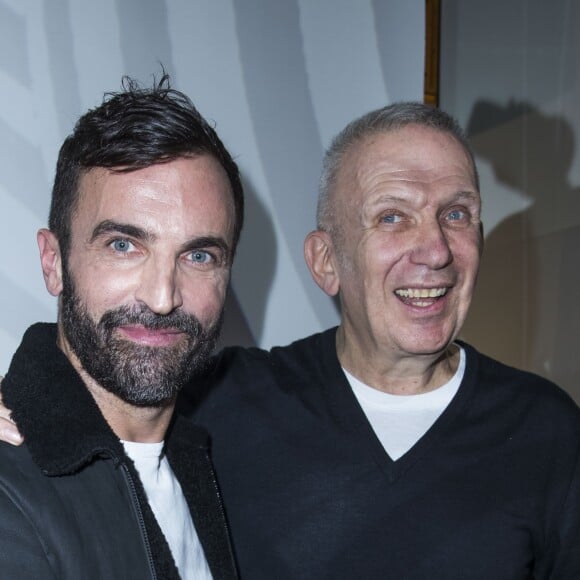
x=141 y=315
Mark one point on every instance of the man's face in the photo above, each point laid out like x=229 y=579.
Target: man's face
x=146 y=275
x=408 y=241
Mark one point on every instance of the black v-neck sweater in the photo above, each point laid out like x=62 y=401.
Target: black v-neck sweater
x=490 y=492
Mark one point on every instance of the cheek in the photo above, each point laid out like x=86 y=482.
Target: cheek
x=466 y=252
x=103 y=290
x=205 y=298
x=367 y=272
x=468 y=258
x=383 y=256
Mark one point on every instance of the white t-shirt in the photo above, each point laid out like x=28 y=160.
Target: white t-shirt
x=170 y=508
x=399 y=421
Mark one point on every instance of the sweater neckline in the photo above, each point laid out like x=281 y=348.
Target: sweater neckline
x=348 y=411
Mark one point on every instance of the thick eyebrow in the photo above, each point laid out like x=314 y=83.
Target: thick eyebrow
x=207 y=242
x=111 y=226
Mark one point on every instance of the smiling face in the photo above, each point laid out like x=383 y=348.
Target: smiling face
x=406 y=243
x=146 y=275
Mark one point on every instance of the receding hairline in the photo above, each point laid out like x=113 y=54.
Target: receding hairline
x=347 y=161
x=382 y=121
x=369 y=140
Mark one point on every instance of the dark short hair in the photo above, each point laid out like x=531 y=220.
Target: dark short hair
x=132 y=129
x=383 y=120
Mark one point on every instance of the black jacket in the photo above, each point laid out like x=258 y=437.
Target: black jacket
x=71 y=502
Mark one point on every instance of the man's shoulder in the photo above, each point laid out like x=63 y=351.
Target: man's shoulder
x=14 y=458
x=518 y=387
x=238 y=375
x=311 y=350
x=21 y=479
x=300 y=360
x=237 y=361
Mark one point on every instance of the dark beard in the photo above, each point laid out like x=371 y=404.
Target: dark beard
x=140 y=375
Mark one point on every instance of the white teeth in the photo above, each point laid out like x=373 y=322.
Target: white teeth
x=421 y=292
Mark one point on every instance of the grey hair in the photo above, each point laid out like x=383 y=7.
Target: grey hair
x=382 y=120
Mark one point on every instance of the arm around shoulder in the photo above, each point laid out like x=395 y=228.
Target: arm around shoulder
x=8 y=430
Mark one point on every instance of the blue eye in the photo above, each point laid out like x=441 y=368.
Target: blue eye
x=121 y=245
x=456 y=215
x=391 y=218
x=200 y=257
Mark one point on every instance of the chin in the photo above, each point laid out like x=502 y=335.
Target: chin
x=427 y=346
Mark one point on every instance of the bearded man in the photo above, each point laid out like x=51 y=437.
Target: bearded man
x=146 y=212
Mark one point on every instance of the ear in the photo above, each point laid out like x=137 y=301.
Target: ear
x=319 y=255
x=50 y=260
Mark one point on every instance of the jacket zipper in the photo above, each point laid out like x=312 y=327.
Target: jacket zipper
x=140 y=519
x=222 y=511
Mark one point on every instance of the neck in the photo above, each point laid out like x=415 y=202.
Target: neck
x=397 y=374
x=131 y=423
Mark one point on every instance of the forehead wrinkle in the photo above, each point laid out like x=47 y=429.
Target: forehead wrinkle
x=373 y=175
x=370 y=174
x=380 y=155
x=386 y=198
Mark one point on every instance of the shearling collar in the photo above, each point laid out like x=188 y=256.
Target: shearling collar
x=58 y=417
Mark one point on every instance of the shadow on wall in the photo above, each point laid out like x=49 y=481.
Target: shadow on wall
x=253 y=272
x=525 y=310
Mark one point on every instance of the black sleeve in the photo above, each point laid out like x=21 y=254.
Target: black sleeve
x=560 y=559
x=22 y=553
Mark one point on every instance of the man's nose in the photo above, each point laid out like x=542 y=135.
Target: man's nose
x=431 y=246
x=158 y=286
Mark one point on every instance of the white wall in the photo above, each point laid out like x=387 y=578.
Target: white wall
x=279 y=78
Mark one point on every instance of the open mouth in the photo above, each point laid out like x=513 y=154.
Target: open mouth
x=421 y=297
